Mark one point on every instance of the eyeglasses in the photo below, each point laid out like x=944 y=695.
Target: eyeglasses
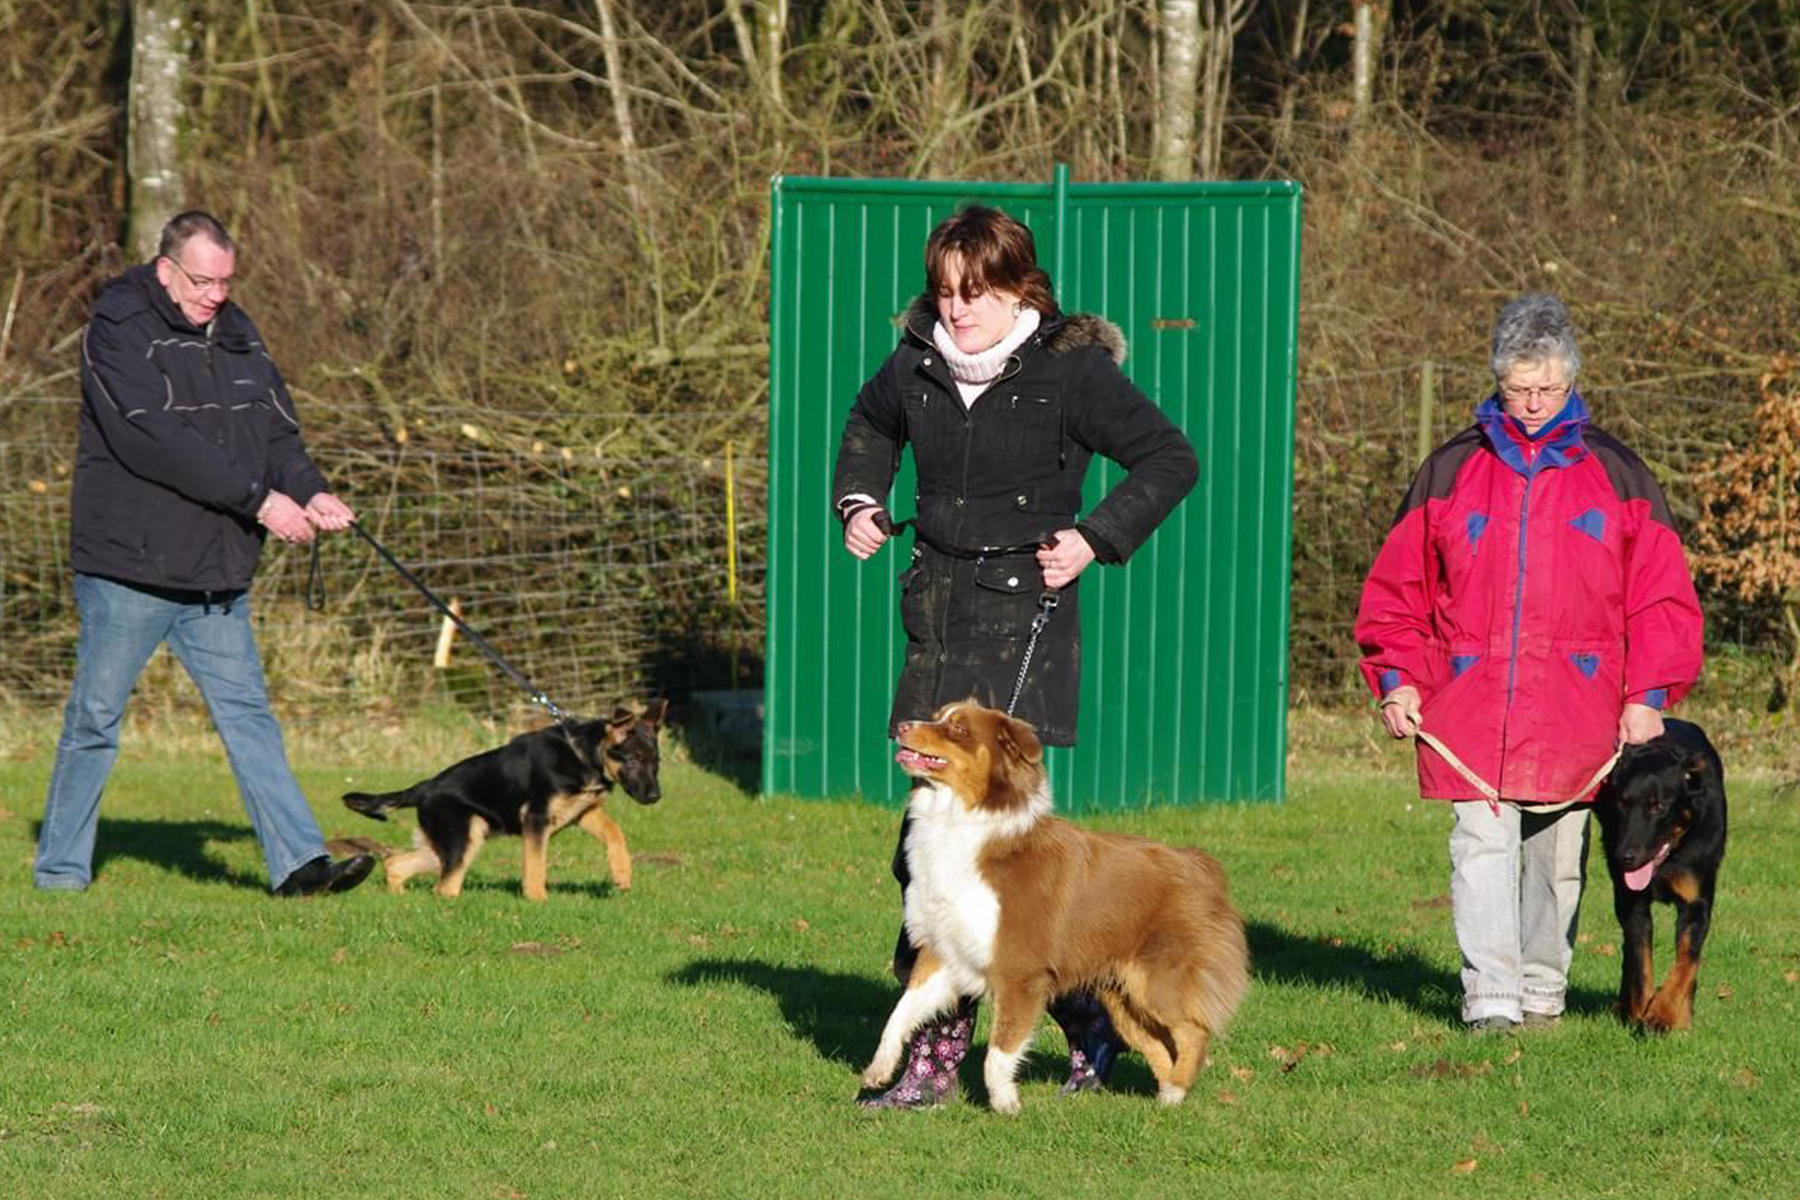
x=204 y=283
x=1554 y=391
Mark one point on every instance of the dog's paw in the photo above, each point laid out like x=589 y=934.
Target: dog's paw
x=1004 y=1100
x=875 y=1074
x=1170 y=1094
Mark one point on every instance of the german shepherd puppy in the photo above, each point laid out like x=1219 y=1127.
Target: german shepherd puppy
x=1662 y=818
x=535 y=785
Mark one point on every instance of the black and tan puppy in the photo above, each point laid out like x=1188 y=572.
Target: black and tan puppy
x=535 y=785
x=1662 y=818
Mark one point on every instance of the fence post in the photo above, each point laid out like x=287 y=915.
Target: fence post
x=1427 y=405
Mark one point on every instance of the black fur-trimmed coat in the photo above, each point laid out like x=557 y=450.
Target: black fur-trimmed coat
x=1008 y=471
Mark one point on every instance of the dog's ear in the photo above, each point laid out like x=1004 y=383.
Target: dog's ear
x=621 y=716
x=1693 y=774
x=656 y=710
x=1021 y=741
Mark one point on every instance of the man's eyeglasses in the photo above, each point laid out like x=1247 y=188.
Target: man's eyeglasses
x=204 y=283
x=1555 y=391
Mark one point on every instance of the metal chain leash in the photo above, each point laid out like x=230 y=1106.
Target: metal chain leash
x=1046 y=605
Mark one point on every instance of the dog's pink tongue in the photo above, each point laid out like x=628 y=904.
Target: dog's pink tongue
x=909 y=758
x=1639 y=879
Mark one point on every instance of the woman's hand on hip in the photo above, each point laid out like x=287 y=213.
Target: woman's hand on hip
x=1064 y=560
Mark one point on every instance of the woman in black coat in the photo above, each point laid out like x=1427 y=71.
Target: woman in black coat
x=1005 y=400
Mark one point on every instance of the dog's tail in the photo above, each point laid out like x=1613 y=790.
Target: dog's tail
x=379 y=804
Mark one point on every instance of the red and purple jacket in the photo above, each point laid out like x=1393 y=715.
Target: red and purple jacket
x=1529 y=588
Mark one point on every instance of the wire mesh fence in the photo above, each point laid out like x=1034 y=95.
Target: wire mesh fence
x=592 y=552
x=612 y=554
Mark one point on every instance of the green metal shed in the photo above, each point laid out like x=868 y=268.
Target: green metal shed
x=1185 y=648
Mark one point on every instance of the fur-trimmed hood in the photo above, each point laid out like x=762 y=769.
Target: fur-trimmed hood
x=1061 y=332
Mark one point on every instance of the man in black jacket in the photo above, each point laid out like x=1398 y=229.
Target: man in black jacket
x=189 y=451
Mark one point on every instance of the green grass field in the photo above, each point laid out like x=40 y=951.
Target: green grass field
x=176 y=1032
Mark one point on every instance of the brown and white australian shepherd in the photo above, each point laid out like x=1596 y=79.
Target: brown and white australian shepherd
x=1007 y=900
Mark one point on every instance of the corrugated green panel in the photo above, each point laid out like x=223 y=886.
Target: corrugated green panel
x=1185 y=649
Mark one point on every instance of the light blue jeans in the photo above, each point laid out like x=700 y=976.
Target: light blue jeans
x=1515 y=890
x=121 y=626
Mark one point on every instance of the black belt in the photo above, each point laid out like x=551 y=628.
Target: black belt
x=887 y=525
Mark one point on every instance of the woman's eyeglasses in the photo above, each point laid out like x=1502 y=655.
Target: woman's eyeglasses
x=1555 y=391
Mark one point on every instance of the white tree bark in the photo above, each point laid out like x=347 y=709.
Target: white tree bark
x=1367 y=40
x=158 y=65
x=1177 y=90
x=762 y=45
x=773 y=19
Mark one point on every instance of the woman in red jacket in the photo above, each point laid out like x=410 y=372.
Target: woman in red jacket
x=1529 y=612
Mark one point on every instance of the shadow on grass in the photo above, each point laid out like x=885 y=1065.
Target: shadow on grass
x=178 y=846
x=592 y=889
x=839 y=1014
x=842 y=1016
x=1280 y=957
x=716 y=755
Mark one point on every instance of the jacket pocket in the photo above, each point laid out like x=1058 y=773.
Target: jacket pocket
x=1466 y=675
x=1006 y=597
x=931 y=428
x=1032 y=421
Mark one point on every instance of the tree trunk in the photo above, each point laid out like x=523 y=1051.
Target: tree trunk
x=761 y=45
x=158 y=65
x=1368 y=41
x=635 y=191
x=773 y=19
x=1290 y=87
x=1583 y=37
x=1177 y=91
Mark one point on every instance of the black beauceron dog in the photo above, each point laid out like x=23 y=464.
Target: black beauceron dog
x=1662 y=818
x=535 y=785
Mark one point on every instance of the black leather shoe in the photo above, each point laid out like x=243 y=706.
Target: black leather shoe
x=322 y=875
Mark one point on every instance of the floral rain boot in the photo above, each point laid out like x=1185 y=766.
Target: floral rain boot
x=1094 y=1044
x=932 y=1056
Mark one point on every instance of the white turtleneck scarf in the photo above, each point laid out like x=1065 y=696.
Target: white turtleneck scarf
x=973 y=372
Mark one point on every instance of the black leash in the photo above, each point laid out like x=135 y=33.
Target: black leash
x=315 y=587
x=1047 y=601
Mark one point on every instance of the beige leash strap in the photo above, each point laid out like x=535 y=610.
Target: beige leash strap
x=1487 y=790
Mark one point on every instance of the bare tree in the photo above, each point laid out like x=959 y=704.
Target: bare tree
x=1581 y=38
x=158 y=66
x=635 y=170
x=1194 y=85
x=761 y=34
x=1368 y=21
x=1224 y=20
x=1172 y=142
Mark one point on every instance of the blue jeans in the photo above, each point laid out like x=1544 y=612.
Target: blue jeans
x=1515 y=889
x=121 y=626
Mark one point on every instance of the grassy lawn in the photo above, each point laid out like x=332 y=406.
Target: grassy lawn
x=176 y=1032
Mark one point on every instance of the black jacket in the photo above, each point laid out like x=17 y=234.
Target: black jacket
x=184 y=432
x=1007 y=471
